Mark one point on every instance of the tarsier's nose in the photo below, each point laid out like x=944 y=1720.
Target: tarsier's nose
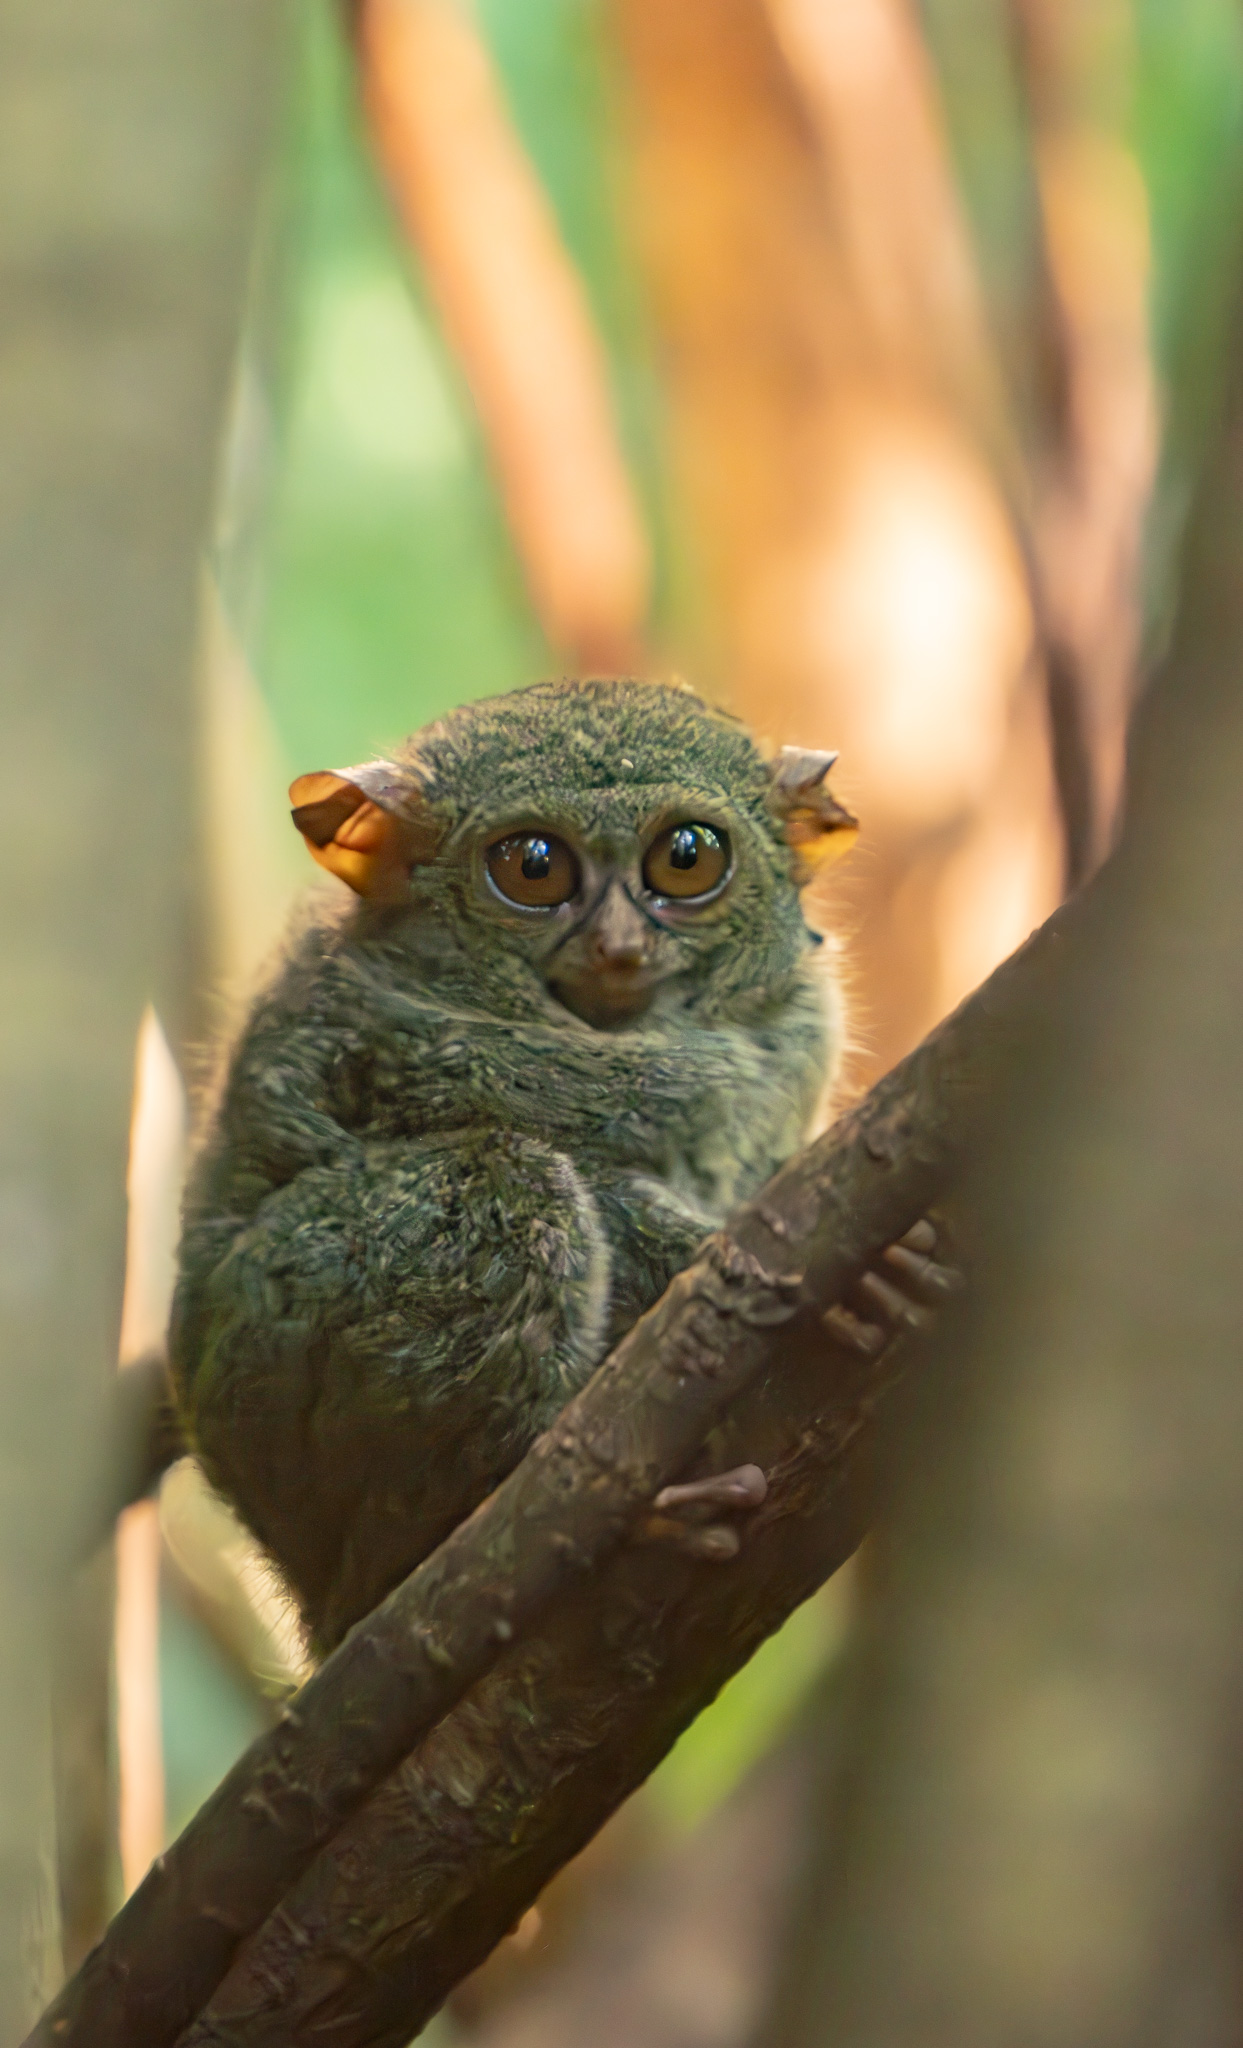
x=619 y=938
x=607 y=974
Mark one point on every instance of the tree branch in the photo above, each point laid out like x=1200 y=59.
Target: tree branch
x=565 y=1723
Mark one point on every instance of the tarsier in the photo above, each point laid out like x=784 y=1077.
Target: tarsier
x=481 y=1116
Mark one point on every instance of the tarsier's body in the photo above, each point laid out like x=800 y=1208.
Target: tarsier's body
x=465 y=1140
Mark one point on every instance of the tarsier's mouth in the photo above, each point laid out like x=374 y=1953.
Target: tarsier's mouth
x=607 y=997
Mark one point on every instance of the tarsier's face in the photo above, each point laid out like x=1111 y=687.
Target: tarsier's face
x=609 y=914
x=614 y=837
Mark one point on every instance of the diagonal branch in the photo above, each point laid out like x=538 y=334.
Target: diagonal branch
x=608 y=1684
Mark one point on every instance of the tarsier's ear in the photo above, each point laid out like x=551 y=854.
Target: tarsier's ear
x=367 y=825
x=817 y=827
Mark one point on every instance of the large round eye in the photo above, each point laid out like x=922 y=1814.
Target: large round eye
x=534 y=869
x=686 y=860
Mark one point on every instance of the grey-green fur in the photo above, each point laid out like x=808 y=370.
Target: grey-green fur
x=431 y=1197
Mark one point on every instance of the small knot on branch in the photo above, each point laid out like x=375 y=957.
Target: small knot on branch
x=737 y=1283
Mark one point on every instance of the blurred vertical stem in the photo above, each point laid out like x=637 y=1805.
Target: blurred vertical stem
x=1036 y=1833
x=1095 y=440
x=1038 y=99
x=518 y=317
x=130 y=145
x=153 y=1191
x=85 y=1807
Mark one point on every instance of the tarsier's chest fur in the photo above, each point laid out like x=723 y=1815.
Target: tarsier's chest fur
x=432 y=1197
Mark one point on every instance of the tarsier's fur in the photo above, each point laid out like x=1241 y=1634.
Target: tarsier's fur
x=431 y=1197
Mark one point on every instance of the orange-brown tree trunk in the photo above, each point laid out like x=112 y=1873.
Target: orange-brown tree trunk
x=849 y=574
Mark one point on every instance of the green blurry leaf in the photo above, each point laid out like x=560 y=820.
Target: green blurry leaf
x=752 y=1712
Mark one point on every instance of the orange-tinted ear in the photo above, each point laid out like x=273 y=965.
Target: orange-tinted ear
x=817 y=827
x=367 y=825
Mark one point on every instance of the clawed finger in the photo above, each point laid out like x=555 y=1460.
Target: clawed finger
x=866 y=1338
x=897 y=1308
x=714 y=1542
x=677 y=1513
x=923 y=1273
x=744 y=1487
x=905 y=1297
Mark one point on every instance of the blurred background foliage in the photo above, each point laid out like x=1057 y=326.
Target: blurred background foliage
x=846 y=358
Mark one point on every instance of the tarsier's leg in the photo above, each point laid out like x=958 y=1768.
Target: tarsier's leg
x=381 y=1344
x=904 y=1296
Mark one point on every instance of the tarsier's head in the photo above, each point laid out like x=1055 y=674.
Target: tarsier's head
x=617 y=838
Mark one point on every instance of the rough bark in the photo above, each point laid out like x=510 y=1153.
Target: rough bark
x=1039 y=1812
x=746 y=1315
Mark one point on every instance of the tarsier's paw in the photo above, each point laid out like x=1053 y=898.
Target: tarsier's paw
x=684 y=1516
x=902 y=1292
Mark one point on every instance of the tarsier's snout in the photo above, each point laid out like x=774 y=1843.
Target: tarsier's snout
x=608 y=969
x=618 y=939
